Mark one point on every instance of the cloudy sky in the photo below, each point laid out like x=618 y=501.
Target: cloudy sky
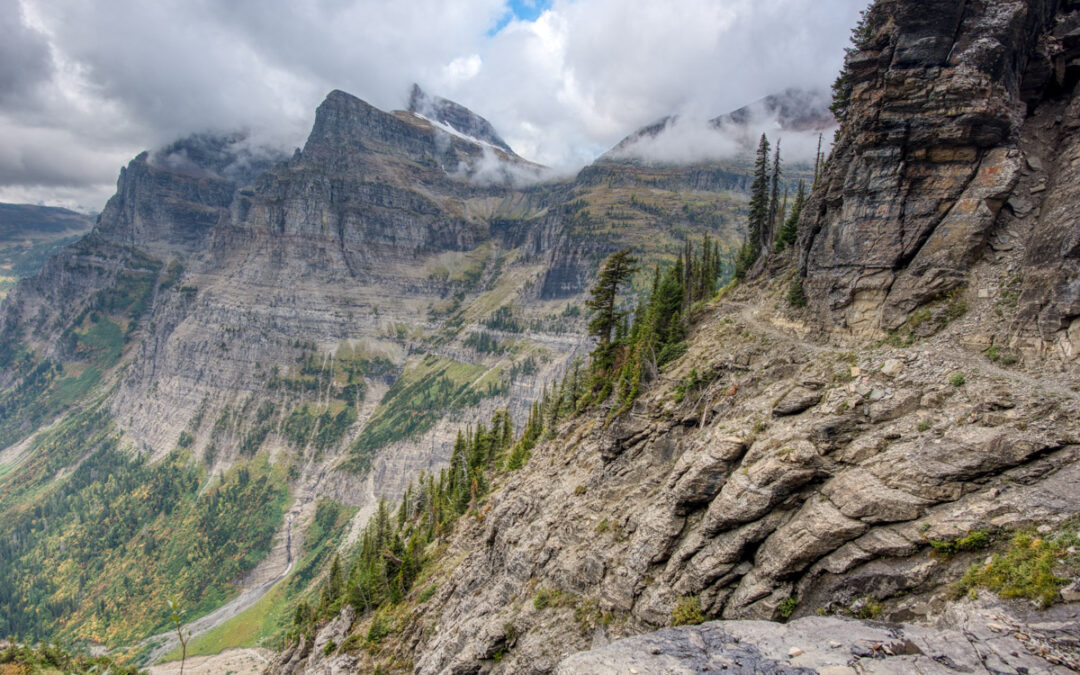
x=86 y=84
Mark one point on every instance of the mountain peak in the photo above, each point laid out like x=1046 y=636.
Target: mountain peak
x=676 y=140
x=455 y=116
x=793 y=109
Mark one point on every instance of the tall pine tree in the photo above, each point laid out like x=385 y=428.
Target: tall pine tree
x=608 y=319
x=759 y=211
x=790 y=230
x=769 y=233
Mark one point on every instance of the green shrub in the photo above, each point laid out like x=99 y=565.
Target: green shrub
x=972 y=541
x=787 y=607
x=958 y=380
x=796 y=295
x=867 y=608
x=1027 y=569
x=381 y=626
x=549 y=597
x=687 y=612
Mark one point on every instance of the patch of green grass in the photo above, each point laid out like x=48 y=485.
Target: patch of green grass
x=247 y=629
x=867 y=608
x=587 y=615
x=958 y=379
x=549 y=597
x=687 y=612
x=68 y=390
x=1030 y=567
x=998 y=355
x=102 y=344
x=955 y=305
x=787 y=607
x=425 y=392
x=426 y=594
x=973 y=541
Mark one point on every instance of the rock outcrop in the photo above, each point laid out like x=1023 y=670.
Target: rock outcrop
x=792 y=464
x=957 y=148
x=456 y=116
x=828 y=508
x=974 y=638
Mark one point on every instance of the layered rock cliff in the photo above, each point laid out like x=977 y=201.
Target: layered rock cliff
x=879 y=454
x=336 y=315
x=958 y=149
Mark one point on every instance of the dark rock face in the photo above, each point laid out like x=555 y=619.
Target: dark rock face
x=164 y=211
x=944 y=96
x=229 y=156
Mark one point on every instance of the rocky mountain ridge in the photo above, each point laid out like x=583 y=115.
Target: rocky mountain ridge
x=734 y=135
x=315 y=326
x=898 y=450
x=959 y=132
x=456 y=116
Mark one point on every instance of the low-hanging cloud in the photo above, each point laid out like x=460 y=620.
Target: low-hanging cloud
x=105 y=79
x=686 y=140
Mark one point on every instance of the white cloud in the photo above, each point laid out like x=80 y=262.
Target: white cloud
x=107 y=78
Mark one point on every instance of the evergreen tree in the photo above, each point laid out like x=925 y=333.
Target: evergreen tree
x=861 y=38
x=769 y=232
x=790 y=231
x=608 y=322
x=759 y=211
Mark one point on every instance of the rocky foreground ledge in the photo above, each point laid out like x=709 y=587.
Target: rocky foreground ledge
x=980 y=636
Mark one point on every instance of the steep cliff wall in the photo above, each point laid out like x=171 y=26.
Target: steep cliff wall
x=957 y=148
x=773 y=474
x=341 y=313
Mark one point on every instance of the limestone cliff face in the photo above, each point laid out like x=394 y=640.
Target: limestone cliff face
x=347 y=247
x=236 y=290
x=791 y=478
x=770 y=474
x=957 y=149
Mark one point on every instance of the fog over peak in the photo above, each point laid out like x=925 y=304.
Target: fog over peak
x=797 y=119
x=86 y=86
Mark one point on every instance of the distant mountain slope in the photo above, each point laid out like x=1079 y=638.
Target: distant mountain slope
x=21 y=221
x=306 y=332
x=879 y=423
x=30 y=234
x=796 y=115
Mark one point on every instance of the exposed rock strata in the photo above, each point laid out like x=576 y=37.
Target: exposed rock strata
x=957 y=109
x=719 y=499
